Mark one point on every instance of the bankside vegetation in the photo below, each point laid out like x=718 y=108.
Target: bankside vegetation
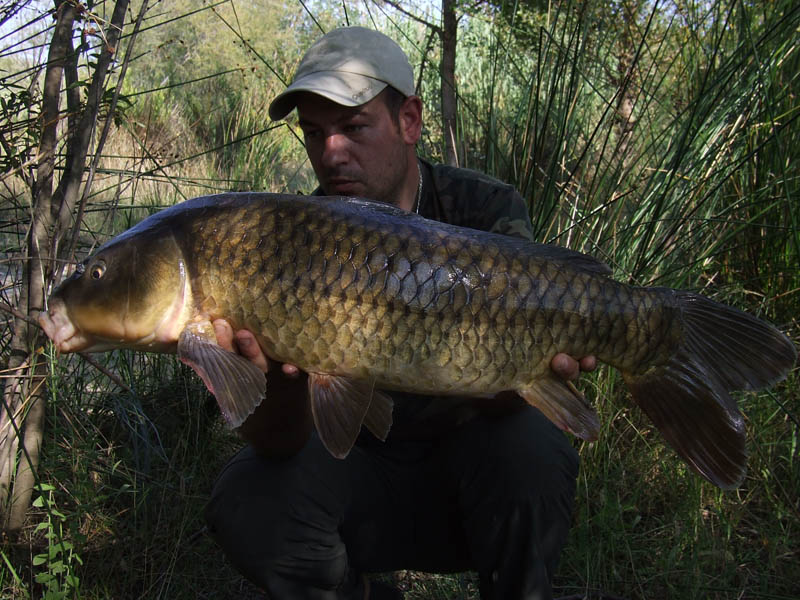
x=660 y=136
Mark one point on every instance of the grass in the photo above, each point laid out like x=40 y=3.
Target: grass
x=132 y=471
x=647 y=527
x=705 y=197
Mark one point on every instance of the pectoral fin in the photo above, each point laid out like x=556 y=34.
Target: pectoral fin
x=340 y=405
x=564 y=405
x=237 y=384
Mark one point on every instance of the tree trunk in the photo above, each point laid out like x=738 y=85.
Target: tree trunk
x=448 y=78
x=21 y=392
x=23 y=409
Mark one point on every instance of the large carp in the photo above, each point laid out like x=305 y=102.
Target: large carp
x=367 y=297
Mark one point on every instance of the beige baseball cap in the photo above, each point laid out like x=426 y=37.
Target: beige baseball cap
x=349 y=66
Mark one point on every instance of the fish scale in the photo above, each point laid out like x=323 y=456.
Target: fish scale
x=366 y=297
x=410 y=274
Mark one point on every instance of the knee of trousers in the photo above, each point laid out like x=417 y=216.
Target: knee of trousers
x=522 y=456
x=272 y=530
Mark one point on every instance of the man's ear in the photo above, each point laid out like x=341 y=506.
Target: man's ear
x=410 y=119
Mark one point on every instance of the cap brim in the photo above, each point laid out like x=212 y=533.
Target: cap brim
x=347 y=89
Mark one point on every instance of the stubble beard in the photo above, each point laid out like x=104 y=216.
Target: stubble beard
x=391 y=185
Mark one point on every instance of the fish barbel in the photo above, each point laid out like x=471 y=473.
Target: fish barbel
x=366 y=297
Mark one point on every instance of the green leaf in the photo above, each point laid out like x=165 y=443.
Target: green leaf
x=44 y=578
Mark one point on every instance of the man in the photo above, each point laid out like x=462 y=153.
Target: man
x=459 y=484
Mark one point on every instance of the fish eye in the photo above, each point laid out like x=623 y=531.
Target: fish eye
x=97 y=270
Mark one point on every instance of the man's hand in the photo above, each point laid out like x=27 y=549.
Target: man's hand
x=568 y=368
x=281 y=425
x=244 y=342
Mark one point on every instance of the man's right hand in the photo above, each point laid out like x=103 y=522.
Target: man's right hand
x=244 y=342
x=281 y=424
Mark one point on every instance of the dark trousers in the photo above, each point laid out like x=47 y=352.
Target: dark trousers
x=495 y=495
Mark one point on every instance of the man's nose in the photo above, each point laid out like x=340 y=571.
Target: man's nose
x=335 y=151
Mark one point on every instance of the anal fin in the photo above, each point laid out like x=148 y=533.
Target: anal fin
x=564 y=405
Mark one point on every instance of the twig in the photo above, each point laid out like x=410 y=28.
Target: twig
x=413 y=17
x=4 y=306
x=105 y=371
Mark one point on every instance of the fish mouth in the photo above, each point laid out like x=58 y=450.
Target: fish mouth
x=68 y=338
x=60 y=329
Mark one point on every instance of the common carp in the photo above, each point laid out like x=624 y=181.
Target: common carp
x=366 y=297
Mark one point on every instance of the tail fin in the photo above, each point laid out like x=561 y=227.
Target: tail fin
x=688 y=399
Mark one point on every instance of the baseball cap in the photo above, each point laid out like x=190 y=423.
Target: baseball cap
x=349 y=66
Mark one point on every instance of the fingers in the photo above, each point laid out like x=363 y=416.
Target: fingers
x=290 y=370
x=224 y=333
x=248 y=347
x=588 y=363
x=565 y=366
x=242 y=342
x=245 y=343
x=568 y=368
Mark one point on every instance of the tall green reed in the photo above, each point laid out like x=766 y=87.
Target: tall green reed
x=701 y=195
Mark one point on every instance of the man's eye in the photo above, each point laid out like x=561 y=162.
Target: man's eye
x=354 y=128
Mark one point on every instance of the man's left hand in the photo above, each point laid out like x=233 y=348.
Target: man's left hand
x=569 y=368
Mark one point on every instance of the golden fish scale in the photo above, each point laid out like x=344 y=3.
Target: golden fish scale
x=413 y=308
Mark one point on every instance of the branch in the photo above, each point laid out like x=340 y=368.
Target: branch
x=425 y=55
x=10 y=152
x=67 y=192
x=105 y=371
x=50 y=107
x=18 y=314
x=413 y=17
x=73 y=239
x=73 y=91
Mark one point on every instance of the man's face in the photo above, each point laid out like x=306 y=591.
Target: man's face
x=356 y=151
